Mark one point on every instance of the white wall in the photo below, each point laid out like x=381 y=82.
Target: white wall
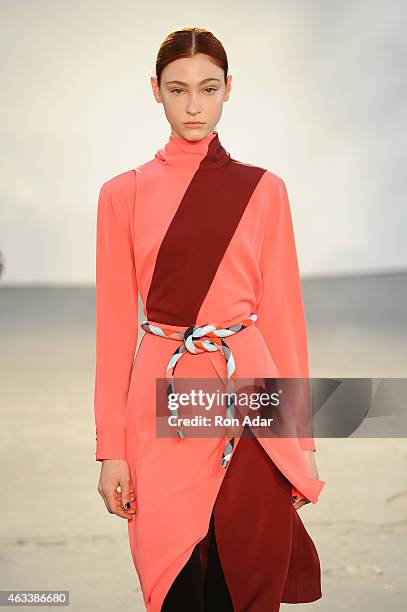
x=318 y=97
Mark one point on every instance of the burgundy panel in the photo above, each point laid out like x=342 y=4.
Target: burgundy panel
x=198 y=236
x=266 y=553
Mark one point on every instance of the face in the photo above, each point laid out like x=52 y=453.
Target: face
x=192 y=89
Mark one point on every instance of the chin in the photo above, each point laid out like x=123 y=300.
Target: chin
x=196 y=132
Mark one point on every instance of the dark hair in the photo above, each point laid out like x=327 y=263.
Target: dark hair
x=187 y=42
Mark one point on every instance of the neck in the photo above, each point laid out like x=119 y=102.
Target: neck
x=205 y=153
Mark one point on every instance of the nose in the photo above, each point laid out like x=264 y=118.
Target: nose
x=193 y=106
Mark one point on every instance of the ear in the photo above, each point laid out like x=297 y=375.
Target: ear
x=228 y=87
x=155 y=88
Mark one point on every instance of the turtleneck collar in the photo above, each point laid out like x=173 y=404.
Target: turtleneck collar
x=206 y=153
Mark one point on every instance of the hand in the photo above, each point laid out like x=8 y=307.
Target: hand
x=115 y=473
x=298 y=502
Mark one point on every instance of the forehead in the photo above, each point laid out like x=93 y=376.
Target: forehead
x=192 y=70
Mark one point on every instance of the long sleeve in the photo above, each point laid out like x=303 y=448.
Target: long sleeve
x=116 y=318
x=280 y=310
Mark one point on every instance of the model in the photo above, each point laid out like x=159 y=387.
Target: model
x=208 y=242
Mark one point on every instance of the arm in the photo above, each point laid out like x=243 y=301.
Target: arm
x=280 y=311
x=116 y=318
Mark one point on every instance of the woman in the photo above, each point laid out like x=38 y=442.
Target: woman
x=205 y=239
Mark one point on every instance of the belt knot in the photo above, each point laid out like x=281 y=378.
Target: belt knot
x=196 y=339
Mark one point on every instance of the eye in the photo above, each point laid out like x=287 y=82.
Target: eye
x=214 y=88
x=176 y=89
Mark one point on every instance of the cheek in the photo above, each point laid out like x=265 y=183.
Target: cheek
x=217 y=101
x=214 y=102
x=214 y=107
x=172 y=107
x=215 y=98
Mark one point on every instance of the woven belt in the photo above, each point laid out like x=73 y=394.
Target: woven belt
x=197 y=339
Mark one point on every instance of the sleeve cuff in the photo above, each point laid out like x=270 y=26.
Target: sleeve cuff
x=296 y=493
x=110 y=443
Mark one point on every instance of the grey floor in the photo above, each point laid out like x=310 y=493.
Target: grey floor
x=55 y=530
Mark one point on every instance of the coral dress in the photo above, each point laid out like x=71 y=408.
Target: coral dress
x=205 y=239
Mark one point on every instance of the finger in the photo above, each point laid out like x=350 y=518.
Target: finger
x=114 y=508
x=119 y=495
x=127 y=514
x=125 y=489
x=301 y=502
x=119 y=498
x=113 y=501
x=129 y=508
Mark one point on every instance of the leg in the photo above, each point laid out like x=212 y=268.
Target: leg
x=186 y=592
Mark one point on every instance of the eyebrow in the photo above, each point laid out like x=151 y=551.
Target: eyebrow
x=186 y=84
